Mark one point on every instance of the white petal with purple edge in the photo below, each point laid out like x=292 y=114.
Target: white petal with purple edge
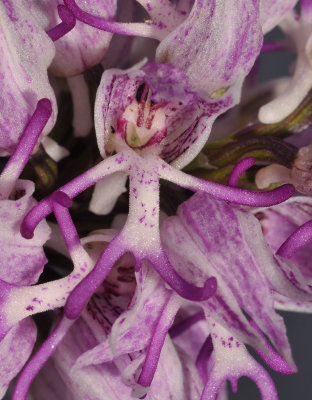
x=26 y=53
x=22 y=260
x=273 y=11
x=15 y=348
x=214 y=55
x=236 y=234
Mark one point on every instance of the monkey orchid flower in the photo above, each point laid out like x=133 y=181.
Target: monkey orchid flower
x=136 y=116
x=25 y=55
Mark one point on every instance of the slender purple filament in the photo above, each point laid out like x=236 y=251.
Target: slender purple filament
x=232 y=195
x=62 y=199
x=272 y=359
x=154 y=348
x=239 y=169
x=203 y=357
x=178 y=284
x=65 y=222
x=67 y=24
x=40 y=358
x=72 y=189
x=131 y=29
x=81 y=294
x=186 y=324
x=274 y=46
x=26 y=144
x=298 y=239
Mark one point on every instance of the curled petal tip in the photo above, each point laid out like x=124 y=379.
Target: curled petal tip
x=45 y=105
x=72 y=311
x=74 y=306
x=210 y=288
x=62 y=199
x=26 y=232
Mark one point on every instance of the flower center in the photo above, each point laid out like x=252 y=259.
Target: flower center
x=142 y=124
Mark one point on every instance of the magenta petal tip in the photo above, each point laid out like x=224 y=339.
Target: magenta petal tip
x=26 y=232
x=45 y=104
x=210 y=288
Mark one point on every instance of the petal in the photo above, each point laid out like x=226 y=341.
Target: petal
x=93 y=382
x=182 y=147
x=188 y=259
x=45 y=387
x=15 y=349
x=84 y=46
x=114 y=94
x=237 y=235
x=168 y=83
x=279 y=222
x=22 y=260
x=134 y=328
x=273 y=11
x=106 y=193
x=212 y=54
x=26 y=53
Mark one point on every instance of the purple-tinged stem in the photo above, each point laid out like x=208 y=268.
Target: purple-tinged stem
x=150 y=30
x=186 y=324
x=298 y=239
x=154 y=349
x=25 y=147
x=203 y=357
x=40 y=358
x=116 y=163
x=274 y=46
x=239 y=169
x=80 y=296
x=272 y=358
x=67 y=24
x=178 y=284
x=227 y=193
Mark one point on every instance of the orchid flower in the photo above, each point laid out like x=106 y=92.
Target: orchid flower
x=26 y=53
x=298 y=31
x=143 y=135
